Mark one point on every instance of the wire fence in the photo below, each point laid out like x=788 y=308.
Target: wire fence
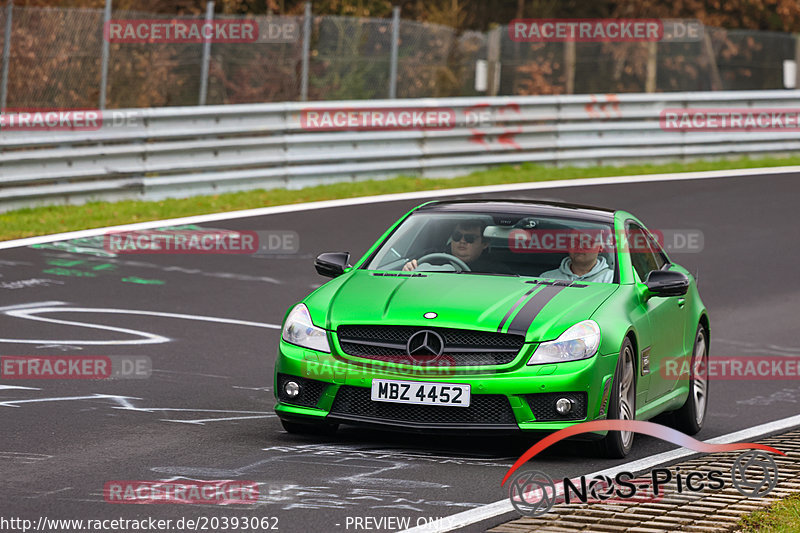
x=52 y=58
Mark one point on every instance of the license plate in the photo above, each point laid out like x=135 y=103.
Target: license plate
x=420 y=392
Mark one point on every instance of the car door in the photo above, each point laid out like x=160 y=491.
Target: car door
x=666 y=315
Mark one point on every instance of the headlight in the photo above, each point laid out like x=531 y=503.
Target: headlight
x=298 y=329
x=578 y=342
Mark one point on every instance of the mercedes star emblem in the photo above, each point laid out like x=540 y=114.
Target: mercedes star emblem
x=425 y=344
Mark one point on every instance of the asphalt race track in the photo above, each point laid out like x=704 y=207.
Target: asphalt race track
x=206 y=412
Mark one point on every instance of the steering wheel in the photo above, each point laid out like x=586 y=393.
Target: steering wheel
x=453 y=260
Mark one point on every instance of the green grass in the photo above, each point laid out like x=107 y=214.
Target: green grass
x=56 y=219
x=781 y=517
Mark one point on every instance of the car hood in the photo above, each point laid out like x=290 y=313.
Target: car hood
x=467 y=301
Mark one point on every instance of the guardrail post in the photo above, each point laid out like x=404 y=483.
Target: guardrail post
x=6 y=55
x=797 y=61
x=493 y=61
x=206 y=55
x=569 y=65
x=393 y=57
x=652 y=57
x=104 y=67
x=716 y=80
x=306 y=52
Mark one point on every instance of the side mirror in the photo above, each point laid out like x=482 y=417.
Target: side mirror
x=332 y=264
x=667 y=283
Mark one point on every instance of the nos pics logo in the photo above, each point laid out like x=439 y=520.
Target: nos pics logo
x=532 y=493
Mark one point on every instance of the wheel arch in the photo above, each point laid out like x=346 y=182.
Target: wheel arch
x=631 y=334
x=707 y=326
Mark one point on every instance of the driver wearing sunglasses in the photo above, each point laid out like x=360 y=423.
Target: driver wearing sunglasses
x=466 y=243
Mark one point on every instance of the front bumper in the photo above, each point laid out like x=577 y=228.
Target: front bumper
x=508 y=400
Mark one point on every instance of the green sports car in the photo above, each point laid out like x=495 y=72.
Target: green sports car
x=474 y=316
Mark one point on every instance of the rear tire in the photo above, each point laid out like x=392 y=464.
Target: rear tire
x=622 y=404
x=310 y=428
x=690 y=417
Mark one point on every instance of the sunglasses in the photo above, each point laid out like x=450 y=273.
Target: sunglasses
x=469 y=237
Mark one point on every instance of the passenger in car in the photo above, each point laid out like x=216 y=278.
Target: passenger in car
x=583 y=264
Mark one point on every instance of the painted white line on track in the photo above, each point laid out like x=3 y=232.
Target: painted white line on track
x=131 y=407
x=15 y=403
x=31 y=304
x=202 y=421
x=28 y=311
x=420 y=195
x=466 y=518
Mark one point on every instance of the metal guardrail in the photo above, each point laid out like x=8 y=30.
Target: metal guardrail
x=184 y=151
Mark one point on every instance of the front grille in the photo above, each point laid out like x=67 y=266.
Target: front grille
x=310 y=390
x=543 y=406
x=484 y=409
x=462 y=347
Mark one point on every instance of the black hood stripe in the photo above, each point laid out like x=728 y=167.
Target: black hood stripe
x=522 y=322
x=514 y=308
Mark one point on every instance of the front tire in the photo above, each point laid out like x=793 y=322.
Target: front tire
x=622 y=405
x=690 y=417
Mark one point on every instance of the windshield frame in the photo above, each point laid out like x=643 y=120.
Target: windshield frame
x=610 y=224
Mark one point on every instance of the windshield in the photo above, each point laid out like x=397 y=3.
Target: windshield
x=500 y=244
